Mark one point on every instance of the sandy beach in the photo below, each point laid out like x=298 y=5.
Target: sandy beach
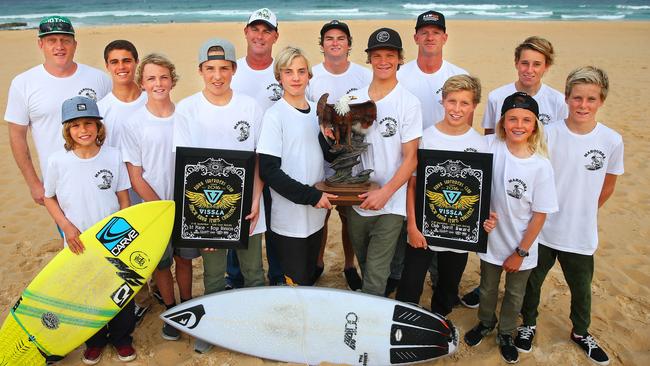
x=621 y=290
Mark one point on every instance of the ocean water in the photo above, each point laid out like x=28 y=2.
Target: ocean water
x=107 y=12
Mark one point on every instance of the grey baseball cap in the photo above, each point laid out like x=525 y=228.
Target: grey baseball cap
x=228 y=50
x=78 y=107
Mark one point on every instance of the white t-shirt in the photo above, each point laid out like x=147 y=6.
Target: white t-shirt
x=580 y=163
x=235 y=126
x=470 y=141
x=116 y=113
x=86 y=188
x=35 y=99
x=428 y=88
x=399 y=120
x=293 y=137
x=519 y=187
x=147 y=142
x=337 y=85
x=552 y=106
x=258 y=84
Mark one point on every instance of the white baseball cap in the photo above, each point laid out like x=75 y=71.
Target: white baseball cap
x=264 y=15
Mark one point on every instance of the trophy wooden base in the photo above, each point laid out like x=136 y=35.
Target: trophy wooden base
x=348 y=193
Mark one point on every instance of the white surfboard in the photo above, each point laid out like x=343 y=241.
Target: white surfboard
x=313 y=325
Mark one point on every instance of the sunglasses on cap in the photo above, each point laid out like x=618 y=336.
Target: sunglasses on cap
x=46 y=28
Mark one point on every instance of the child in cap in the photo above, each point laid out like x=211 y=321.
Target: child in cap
x=523 y=193
x=85 y=183
x=587 y=158
x=146 y=143
x=460 y=96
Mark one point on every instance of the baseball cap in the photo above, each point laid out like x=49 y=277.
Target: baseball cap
x=263 y=15
x=77 y=107
x=228 y=50
x=335 y=24
x=384 y=38
x=520 y=100
x=55 y=24
x=431 y=17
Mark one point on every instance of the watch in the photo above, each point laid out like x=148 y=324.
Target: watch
x=522 y=253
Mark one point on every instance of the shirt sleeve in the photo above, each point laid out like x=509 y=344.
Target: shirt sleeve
x=123 y=181
x=411 y=127
x=544 y=194
x=270 y=141
x=130 y=145
x=287 y=187
x=17 y=110
x=51 y=176
x=615 y=165
x=258 y=114
x=182 y=135
x=490 y=116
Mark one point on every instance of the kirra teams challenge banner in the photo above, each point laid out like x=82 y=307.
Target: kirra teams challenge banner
x=213 y=194
x=453 y=198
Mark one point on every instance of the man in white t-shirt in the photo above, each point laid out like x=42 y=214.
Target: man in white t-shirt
x=375 y=224
x=255 y=78
x=35 y=98
x=337 y=76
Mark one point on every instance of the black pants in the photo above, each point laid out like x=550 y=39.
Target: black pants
x=118 y=331
x=450 y=270
x=297 y=256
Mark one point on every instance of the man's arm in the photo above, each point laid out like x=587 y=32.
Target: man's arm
x=20 y=150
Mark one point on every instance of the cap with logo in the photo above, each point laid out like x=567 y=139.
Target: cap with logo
x=264 y=15
x=55 y=24
x=431 y=17
x=335 y=24
x=78 y=107
x=228 y=50
x=384 y=38
x=520 y=100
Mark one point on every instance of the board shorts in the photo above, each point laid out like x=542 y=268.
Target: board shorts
x=185 y=253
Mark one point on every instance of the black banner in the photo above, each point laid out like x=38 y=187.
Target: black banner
x=453 y=198
x=213 y=193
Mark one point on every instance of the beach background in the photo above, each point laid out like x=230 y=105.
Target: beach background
x=483 y=45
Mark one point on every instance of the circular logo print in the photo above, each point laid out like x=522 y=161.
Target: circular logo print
x=383 y=36
x=50 y=320
x=139 y=260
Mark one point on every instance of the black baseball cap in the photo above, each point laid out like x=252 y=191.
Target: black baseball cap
x=520 y=100
x=431 y=17
x=384 y=38
x=335 y=24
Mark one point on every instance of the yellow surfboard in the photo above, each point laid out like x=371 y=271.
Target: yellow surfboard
x=76 y=295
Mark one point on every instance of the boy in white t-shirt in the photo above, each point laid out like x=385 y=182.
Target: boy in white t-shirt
x=375 y=225
x=587 y=157
x=85 y=183
x=460 y=96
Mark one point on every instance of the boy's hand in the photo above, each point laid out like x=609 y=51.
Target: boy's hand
x=491 y=222
x=253 y=217
x=324 y=201
x=72 y=238
x=416 y=239
x=513 y=263
x=375 y=199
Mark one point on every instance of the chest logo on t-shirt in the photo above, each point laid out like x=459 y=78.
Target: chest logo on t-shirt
x=105 y=179
x=516 y=188
x=244 y=130
x=544 y=118
x=595 y=159
x=88 y=93
x=351 y=90
x=276 y=91
x=388 y=126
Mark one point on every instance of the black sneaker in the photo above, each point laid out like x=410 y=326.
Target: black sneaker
x=474 y=337
x=352 y=278
x=471 y=299
x=524 y=339
x=170 y=333
x=591 y=348
x=507 y=348
x=140 y=312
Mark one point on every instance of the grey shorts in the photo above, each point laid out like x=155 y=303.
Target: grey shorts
x=185 y=253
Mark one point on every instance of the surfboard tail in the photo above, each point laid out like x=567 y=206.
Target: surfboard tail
x=16 y=348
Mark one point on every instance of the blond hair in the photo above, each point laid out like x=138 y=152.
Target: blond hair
x=588 y=75
x=539 y=44
x=536 y=141
x=461 y=83
x=285 y=57
x=69 y=141
x=160 y=60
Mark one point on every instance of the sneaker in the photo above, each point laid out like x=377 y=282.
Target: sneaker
x=507 y=348
x=524 y=339
x=591 y=348
x=125 y=352
x=474 y=337
x=228 y=286
x=391 y=286
x=352 y=278
x=471 y=299
x=92 y=355
x=140 y=312
x=201 y=346
x=170 y=333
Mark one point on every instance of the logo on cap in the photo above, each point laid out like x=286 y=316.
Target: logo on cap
x=81 y=107
x=431 y=17
x=383 y=36
x=264 y=13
